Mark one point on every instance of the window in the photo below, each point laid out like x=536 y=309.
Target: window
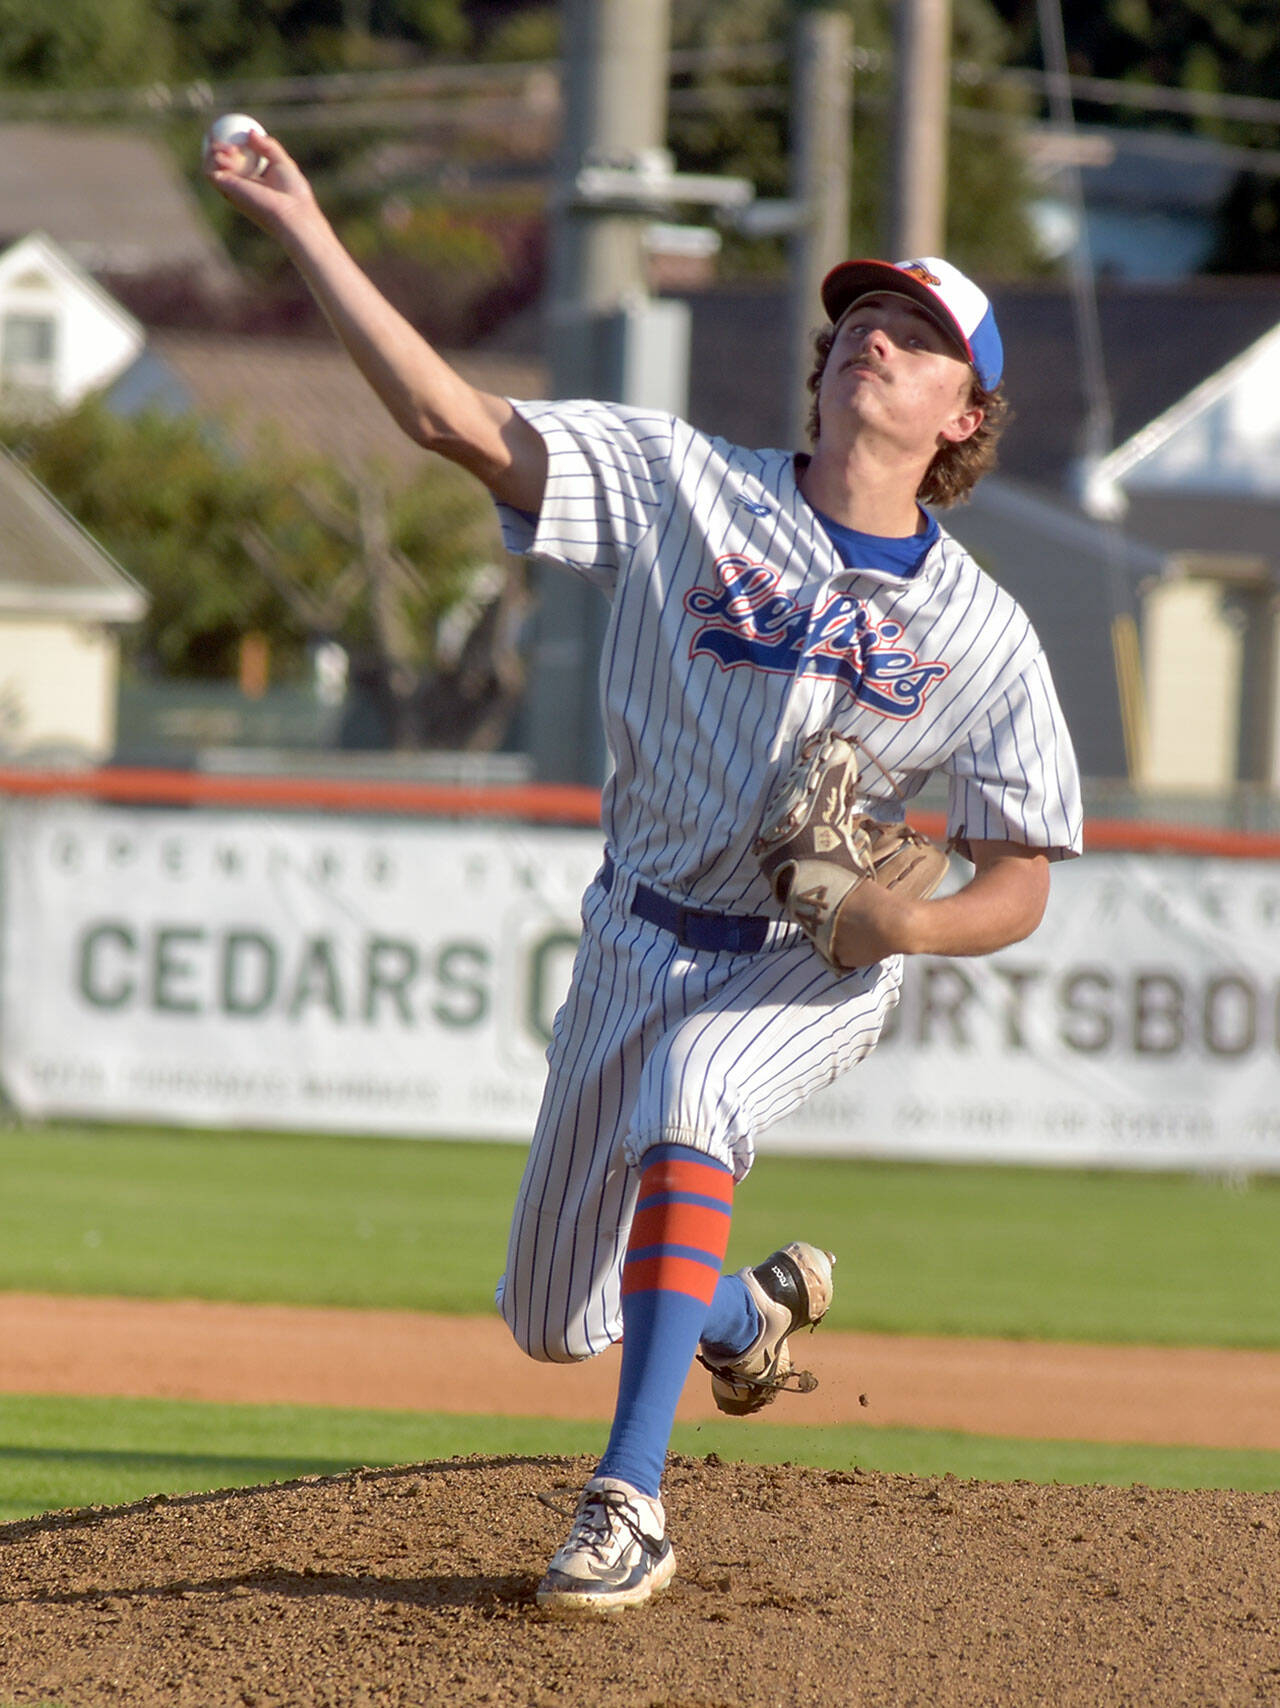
x=28 y=344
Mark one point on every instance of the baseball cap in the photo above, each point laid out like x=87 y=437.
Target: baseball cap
x=953 y=300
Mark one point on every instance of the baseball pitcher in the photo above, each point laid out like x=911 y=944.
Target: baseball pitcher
x=795 y=645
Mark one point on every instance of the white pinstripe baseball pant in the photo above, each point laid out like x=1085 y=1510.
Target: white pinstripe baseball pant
x=658 y=1044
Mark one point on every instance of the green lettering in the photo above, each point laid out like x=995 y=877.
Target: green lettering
x=390 y=967
x=90 y=980
x=464 y=1000
x=317 y=980
x=168 y=968
x=547 y=981
x=250 y=972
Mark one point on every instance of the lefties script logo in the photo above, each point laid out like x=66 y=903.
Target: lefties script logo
x=747 y=621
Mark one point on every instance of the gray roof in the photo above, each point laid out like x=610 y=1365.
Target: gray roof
x=304 y=390
x=49 y=566
x=114 y=199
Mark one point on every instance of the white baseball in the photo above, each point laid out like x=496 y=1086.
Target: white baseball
x=237 y=130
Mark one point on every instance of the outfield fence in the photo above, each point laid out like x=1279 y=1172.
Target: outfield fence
x=387 y=956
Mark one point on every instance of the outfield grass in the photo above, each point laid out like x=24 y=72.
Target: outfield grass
x=1021 y=1253
x=57 y=1453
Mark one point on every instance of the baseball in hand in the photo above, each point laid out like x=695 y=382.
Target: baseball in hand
x=237 y=130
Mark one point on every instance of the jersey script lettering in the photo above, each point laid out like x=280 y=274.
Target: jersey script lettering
x=749 y=622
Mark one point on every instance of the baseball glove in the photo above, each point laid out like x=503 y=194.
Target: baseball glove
x=815 y=848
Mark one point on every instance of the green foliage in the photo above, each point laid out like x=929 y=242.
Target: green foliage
x=531 y=33
x=1248 y=227
x=101 y=43
x=190 y=518
x=429 y=232
x=1229 y=47
x=80 y=43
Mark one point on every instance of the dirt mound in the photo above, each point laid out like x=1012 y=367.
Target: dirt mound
x=795 y=1587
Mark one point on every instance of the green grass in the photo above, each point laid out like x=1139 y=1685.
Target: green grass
x=262 y=1217
x=324 y=1220
x=1020 y=1253
x=57 y=1453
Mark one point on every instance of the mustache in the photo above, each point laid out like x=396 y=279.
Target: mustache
x=870 y=363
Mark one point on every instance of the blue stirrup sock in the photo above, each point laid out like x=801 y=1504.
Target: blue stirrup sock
x=669 y=1278
x=733 y=1322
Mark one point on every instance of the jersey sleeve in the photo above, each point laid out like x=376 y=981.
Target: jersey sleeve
x=606 y=466
x=1014 y=777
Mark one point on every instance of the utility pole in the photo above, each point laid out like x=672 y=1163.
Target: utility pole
x=608 y=338
x=614 y=104
x=821 y=148
x=917 y=218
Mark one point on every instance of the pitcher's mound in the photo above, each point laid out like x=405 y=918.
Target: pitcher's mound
x=795 y=1587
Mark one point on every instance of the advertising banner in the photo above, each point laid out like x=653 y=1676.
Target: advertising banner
x=284 y=972
x=304 y=973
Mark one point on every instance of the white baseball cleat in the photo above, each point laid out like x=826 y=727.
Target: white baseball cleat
x=616 y=1555
x=791 y=1290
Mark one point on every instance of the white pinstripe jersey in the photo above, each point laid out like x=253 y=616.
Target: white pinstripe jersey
x=736 y=631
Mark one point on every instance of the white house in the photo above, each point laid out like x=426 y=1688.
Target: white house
x=61 y=334
x=61 y=598
x=1203 y=479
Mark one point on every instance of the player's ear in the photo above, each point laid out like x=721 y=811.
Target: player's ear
x=962 y=425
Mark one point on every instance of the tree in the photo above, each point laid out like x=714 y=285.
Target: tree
x=109 y=43
x=412 y=583
x=1229 y=47
x=723 y=122
x=82 y=43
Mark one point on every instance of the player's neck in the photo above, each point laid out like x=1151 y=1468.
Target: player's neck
x=863 y=493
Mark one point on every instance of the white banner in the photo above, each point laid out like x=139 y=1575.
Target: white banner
x=401 y=978
x=291 y=972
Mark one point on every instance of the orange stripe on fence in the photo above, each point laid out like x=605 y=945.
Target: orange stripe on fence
x=562 y=803
x=1142 y=836
x=1128 y=836
x=554 y=803
x=671 y=1274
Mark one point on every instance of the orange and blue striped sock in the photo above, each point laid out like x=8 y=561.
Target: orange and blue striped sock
x=674 y=1253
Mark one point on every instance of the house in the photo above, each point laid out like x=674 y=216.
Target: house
x=1193 y=371
x=114 y=202
x=61 y=335
x=62 y=600
x=304 y=391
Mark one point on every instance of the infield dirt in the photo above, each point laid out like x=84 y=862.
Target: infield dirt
x=795 y=1587
x=415 y=1585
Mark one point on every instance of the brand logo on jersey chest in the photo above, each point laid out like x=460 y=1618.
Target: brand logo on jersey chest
x=747 y=621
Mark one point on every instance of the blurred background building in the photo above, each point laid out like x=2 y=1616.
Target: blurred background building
x=611 y=198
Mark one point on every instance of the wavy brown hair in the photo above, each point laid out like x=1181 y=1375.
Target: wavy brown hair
x=955 y=469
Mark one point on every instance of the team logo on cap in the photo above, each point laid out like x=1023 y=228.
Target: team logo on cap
x=918 y=270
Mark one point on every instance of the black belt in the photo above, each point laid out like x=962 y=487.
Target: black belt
x=694 y=927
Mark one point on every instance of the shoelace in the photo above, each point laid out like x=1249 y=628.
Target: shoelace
x=794 y=1382
x=592 y=1526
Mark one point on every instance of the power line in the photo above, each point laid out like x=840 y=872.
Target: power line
x=539 y=81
